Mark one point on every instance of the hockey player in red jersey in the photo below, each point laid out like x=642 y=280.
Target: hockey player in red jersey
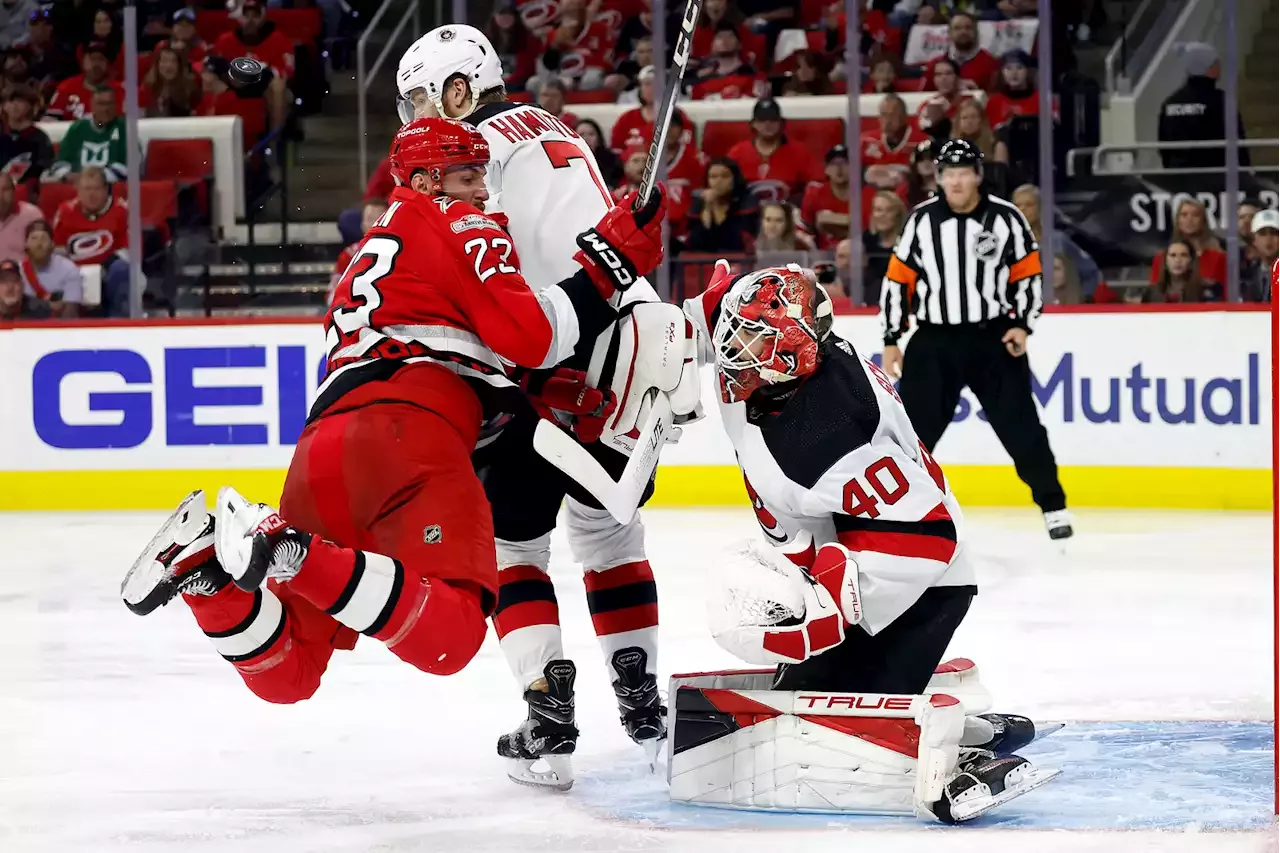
x=875 y=578
x=383 y=527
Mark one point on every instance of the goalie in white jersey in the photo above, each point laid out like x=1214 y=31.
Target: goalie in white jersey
x=543 y=182
x=874 y=584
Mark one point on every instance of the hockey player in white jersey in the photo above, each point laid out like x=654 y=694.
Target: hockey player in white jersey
x=543 y=181
x=875 y=580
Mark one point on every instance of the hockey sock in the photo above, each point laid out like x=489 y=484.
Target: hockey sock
x=623 y=601
x=527 y=621
x=433 y=625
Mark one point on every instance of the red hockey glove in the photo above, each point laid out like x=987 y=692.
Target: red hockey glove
x=567 y=391
x=626 y=243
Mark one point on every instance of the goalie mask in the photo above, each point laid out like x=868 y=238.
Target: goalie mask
x=433 y=60
x=770 y=328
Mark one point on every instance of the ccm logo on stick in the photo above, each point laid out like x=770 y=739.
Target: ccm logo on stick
x=868 y=703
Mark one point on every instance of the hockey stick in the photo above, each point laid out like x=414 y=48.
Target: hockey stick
x=622 y=497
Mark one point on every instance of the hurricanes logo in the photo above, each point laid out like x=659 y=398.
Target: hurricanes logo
x=88 y=244
x=448 y=35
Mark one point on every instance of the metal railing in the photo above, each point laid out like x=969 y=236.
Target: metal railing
x=1097 y=167
x=1138 y=43
x=365 y=74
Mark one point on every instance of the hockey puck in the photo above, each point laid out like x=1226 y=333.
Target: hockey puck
x=245 y=71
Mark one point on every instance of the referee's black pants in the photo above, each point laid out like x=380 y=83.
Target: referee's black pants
x=940 y=360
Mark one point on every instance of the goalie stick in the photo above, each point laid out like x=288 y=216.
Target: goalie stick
x=622 y=497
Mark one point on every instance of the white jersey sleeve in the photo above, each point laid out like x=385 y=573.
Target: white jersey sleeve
x=544 y=179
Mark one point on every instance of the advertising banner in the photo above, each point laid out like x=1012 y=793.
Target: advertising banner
x=1157 y=408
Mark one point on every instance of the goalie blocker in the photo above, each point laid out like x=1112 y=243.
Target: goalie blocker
x=737 y=743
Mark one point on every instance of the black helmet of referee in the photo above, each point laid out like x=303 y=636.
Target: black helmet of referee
x=959 y=153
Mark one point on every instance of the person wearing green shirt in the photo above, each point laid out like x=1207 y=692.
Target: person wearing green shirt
x=98 y=139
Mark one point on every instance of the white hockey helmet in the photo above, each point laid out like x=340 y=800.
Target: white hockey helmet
x=439 y=55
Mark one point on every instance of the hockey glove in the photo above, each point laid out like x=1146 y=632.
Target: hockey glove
x=568 y=391
x=625 y=245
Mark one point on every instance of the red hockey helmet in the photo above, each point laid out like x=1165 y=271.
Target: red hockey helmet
x=436 y=145
x=770 y=327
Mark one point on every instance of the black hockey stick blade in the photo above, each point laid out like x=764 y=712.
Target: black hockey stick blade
x=679 y=62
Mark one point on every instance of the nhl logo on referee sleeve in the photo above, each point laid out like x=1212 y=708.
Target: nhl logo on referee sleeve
x=431 y=535
x=986 y=246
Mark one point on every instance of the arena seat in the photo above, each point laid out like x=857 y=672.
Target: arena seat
x=159 y=201
x=52 y=195
x=188 y=162
x=590 y=96
x=816 y=134
x=719 y=136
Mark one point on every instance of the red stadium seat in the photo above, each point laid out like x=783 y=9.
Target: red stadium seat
x=719 y=136
x=159 y=201
x=816 y=134
x=812 y=11
x=180 y=159
x=303 y=26
x=187 y=161
x=21 y=192
x=53 y=195
x=211 y=23
x=594 y=96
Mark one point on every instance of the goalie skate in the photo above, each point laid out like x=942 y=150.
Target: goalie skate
x=178 y=559
x=549 y=736
x=643 y=715
x=985 y=782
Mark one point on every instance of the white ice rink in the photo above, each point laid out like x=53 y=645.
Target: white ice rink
x=120 y=733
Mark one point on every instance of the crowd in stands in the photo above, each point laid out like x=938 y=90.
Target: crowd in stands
x=64 y=61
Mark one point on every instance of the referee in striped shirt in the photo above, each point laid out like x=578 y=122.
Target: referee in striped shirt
x=968 y=267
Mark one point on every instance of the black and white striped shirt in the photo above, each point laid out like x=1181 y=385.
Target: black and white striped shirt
x=951 y=268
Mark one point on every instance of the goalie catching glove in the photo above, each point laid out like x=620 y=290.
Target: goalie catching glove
x=767 y=611
x=625 y=245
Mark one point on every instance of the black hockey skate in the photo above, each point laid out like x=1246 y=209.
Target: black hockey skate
x=548 y=735
x=986 y=781
x=1058 y=524
x=178 y=559
x=1010 y=733
x=643 y=715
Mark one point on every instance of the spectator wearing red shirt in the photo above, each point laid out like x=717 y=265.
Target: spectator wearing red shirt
x=811 y=77
x=580 y=48
x=74 y=95
x=634 y=159
x=972 y=61
x=895 y=142
x=258 y=38
x=260 y=105
x=1015 y=94
x=373 y=210
x=1191 y=226
x=774 y=167
x=93 y=228
x=883 y=77
x=686 y=170
x=1182 y=278
x=516 y=47
x=636 y=125
x=106 y=33
x=938 y=110
x=715 y=14
x=723 y=74
x=825 y=208
x=551 y=97
x=185 y=40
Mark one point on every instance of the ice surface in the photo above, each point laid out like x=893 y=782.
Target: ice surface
x=124 y=733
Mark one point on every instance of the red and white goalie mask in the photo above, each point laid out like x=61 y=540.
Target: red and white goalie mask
x=771 y=325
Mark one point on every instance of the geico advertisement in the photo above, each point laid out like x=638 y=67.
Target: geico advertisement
x=1174 y=389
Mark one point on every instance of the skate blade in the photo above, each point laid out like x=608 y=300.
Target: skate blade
x=967 y=810
x=1043 y=730
x=557 y=777
x=144 y=586
x=654 y=748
